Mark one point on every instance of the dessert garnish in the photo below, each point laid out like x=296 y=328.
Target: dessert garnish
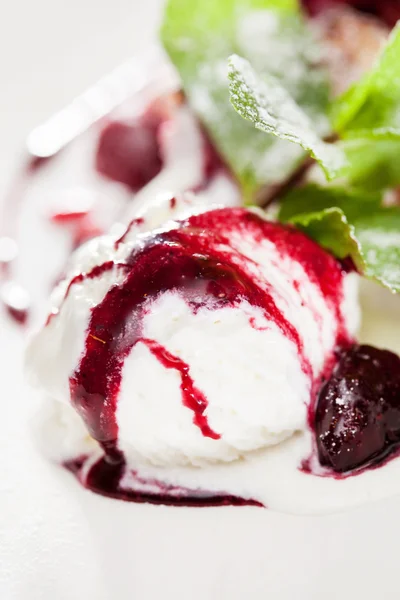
x=357 y=421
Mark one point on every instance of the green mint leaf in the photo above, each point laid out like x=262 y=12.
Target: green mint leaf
x=372 y=164
x=368 y=118
x=272 y=34
x=379 y=237
x=378 y=134
x=271 y=108
x=373 y=104
x=331 y=229
x=358 y=226
x=314 y=198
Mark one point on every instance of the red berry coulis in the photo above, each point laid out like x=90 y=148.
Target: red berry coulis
x=195 y=260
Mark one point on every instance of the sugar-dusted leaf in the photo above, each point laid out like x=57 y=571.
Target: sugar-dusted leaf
x=372 y=163
x=271 y=108
x=373 y=103
x=313 y=198
x=272 y=34
x=350 y=224
x=331 y=229
x=379 y=237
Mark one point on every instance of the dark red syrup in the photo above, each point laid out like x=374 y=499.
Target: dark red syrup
x=192 y=397
x=196 y=261
x=104 y=478
x=18 y=315
x=67 y=217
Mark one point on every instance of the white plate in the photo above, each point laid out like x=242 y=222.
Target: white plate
x=61 y=542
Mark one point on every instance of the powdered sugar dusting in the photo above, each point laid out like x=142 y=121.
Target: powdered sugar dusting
x=270 y=107
x=381 y=249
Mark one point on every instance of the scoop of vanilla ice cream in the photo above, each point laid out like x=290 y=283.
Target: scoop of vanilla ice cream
x=256 y=390
x=256 y=382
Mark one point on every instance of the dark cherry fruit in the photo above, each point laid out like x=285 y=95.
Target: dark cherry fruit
x=357 y=421
x=387 y=10
x=129 y=153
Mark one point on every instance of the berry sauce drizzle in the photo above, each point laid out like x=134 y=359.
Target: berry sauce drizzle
x=104 y=478
x=194 y=259
x=192 y=397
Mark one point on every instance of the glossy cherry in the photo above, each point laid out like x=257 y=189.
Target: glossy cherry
x=357 y=419
x=129 y=153
x=387 y=10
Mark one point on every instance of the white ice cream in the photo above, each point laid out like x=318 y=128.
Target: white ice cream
x=257 y=393
x=252 y=376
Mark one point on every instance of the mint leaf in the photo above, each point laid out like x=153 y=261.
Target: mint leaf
x=357 y=227
x=267 y=104
x=314 y=198
x=331 y=229
x=379 y=237
x=372 y=164
x=199 y=38
x=368 y=118
x=373 y=103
